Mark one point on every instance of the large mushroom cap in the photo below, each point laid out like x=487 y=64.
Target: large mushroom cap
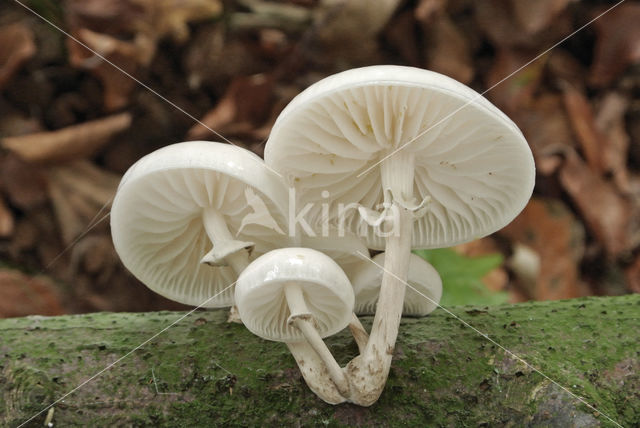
x=156 y=218
x=420 y=298
x=472 y=161
x=261 y=301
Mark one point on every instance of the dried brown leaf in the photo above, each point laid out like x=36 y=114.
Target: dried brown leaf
x=24 y=184
x=605 y=212
x=244 y=106
x=426 y=9
x=7 y=222
x=16 y=46
x=498 y=20
x=582 y=120
x=126 y=33
x=348 y=29
x=154 y=19
x=534 y=16
x=545 y=124
x=549 y=228
x=80 y=192
x=610 y=121
x=564 y=67
x=448 y=49
x=117 y=86
x=171 y=17
x=73 y=142
x=400 y=35
x=105 y=16
x=632 y=274
x=22 y=295
x=617 y=44
x=517 y=91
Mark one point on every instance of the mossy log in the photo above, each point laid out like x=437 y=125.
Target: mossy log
x=203 y=371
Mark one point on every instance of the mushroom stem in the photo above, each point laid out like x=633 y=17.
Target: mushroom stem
x=369 y=371
x=303 y=320
x=218 y=232
x=360 y=335
x=315 y=372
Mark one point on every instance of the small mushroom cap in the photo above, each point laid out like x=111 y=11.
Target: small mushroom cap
x=156 y=218
x=421 y=276
x=345 y=249
x=472 y=163
x=261 y=301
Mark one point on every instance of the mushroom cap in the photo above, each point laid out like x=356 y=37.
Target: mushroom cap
x=346 y=249
x=261 y=301
x=472 y=161
x=421 y=276
x=156 y=217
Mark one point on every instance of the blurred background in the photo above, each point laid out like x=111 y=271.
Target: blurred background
x=71 y=124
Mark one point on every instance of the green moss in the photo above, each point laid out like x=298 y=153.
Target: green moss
x=208 y=372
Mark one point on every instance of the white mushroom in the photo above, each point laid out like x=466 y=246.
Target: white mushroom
x=174 y=204
x=419 y=300
x=298 y=295
x=442 y=164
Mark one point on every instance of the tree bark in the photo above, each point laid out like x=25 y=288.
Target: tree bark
x=205 y=372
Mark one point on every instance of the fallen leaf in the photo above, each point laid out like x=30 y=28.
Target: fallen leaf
x=16 y=47
x=7 y=222
x=24 y=184
x=512 y=92
x=426 y=9
x=500 y=22
x=242 y=108
x=534 y=16
x=348 y=29
x=447 y=49
x=154 y=19
x=73 y=142
x=126 y=33
x=171 y=17
x=105 y=16
x=400 y=35
x=605 y=212
x=583 y=123
x=96 y=256
x=617 y=44
x=13 y=123
x=117 y=86
x=545 y=124
x=563 y=66
x=80 y=193
x=214 y=45
x=22 y=295
x=632 y=274
x=610 y=121
x=24 y=238
x=549 y=229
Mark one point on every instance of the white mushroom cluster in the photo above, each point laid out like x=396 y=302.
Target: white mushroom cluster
x=384 y=158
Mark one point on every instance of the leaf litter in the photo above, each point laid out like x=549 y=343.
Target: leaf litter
x=71 y=124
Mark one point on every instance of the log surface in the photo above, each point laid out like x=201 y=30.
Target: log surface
x=203 y=371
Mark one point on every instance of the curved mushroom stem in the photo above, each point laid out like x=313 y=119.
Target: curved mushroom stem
x=302 y=319
x=315 y=372
x=358 y=332
x=368 y=372
x=218 y=233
